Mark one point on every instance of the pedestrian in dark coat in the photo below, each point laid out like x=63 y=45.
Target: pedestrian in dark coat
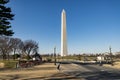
x=58 y=66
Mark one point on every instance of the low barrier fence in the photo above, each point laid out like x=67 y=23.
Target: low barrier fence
x=26 y=64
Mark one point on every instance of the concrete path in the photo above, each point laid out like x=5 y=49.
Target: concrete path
x=72 y=71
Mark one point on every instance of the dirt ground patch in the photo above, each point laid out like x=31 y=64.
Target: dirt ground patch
x=43 y=70
x=2 y=65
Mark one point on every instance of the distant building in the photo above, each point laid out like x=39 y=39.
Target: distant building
x=100 y=58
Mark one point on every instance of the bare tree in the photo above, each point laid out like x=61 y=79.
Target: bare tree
x=20 y=49
x=5 y=46
x=30 y=47
x=16 y=45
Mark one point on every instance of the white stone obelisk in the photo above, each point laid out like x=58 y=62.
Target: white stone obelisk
x=63 y=34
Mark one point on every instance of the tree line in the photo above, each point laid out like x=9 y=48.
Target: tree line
x=12 y=46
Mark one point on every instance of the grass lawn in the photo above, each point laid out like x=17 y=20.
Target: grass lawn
x=9 y=63
x=43 y=70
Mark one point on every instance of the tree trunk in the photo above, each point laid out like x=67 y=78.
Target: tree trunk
x=14 y=57
x=8 y=56
x=4 y=56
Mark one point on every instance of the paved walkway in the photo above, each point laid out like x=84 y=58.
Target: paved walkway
x=62 y=75
x=84 y=72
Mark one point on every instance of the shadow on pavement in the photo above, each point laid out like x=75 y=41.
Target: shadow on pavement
x=77 y=75
x=101 y=75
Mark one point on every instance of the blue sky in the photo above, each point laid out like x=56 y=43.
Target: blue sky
x=92 y=25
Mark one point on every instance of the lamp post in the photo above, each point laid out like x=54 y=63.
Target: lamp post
x=55 y=55
x=111 y=56
x=84 y=57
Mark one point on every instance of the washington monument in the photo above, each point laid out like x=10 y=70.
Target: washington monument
x=63 y=34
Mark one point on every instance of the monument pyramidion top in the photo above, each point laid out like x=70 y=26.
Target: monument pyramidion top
x=63 y=11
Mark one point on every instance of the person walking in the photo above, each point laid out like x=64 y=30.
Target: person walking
x=58 y=66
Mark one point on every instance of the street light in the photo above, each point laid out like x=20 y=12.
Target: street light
x=55 y=55
x=111 y=56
